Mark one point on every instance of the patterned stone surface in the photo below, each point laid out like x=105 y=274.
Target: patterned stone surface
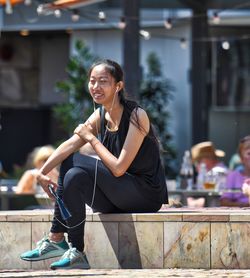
x=140 y=245
x=14 y=238
x=39 y=230
x=101 y=244
x=25 y=215
x=206 y=217
x=186 y=245
x=230 y=245
x=177 y=238
x=130 y=273
x=155 y=217
x=240 y=217
x=114 y=217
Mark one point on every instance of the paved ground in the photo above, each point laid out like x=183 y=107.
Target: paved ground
x=127 y=273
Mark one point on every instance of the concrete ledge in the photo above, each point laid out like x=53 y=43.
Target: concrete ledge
x=174 y=238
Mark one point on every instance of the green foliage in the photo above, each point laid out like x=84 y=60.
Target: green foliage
x=78 y=102
x=155 y=95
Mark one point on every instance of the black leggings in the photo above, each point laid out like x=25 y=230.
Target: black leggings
x=112 y=195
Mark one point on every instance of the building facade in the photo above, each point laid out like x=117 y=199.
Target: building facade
x=30 y=66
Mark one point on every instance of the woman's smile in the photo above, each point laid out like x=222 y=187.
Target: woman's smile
x=97 y=96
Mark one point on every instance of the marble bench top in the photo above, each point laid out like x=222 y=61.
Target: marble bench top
x=222 y=214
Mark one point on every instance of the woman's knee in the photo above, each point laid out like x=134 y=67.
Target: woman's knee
x=66 y=165
x=75 y=178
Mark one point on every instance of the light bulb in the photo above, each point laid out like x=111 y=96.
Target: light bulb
x=8 y=7
x=122 y=23
x=24 y=32
x=102 y=16
x=225 y=45
x=145 y=34
x=183 y=42
x=75 y=15
x=57 y=13
x=168 y=23
x=69 y=31
x=40 y=9
x=216 y=18
x=27 y=2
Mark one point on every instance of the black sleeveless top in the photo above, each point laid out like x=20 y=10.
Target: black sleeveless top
x=146 y=168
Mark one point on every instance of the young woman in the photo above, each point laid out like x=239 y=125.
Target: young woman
x=129 y=176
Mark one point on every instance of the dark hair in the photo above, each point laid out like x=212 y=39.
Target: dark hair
x=116 y=72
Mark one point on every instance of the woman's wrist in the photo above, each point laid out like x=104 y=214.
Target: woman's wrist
x=41 y=171
x=94 y=141
x=81 y=138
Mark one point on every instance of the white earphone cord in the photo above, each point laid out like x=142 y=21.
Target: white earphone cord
x=96 y=167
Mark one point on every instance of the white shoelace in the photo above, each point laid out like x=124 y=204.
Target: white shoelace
x=70 y=253
x=43 y=245
x=41 y=242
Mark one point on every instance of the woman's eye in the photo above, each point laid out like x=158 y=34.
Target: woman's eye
x=247 y=154
x=103 y=81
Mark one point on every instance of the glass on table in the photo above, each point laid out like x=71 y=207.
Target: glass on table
x=210 y=181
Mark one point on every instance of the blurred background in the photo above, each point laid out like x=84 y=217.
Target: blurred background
x=187 y=60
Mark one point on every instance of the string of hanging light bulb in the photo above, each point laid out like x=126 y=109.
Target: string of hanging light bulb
x=170 y=19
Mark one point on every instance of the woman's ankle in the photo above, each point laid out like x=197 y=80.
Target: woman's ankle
x=56 y=237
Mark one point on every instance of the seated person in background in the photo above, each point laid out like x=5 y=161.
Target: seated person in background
x=206 y=154
x=246 y=188
x=236 y=178
x=235 y=162
x=27 y=183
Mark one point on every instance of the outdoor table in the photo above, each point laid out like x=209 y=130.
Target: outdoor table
x=212 y=197
x=10 y=200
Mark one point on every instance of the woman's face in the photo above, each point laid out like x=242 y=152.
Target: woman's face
x=102 y=85
x=245 y=157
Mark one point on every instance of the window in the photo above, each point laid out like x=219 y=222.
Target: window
x=231 y=73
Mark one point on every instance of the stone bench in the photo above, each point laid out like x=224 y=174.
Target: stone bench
x=175 y=238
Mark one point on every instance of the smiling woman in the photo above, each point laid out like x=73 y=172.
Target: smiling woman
x=127 y=177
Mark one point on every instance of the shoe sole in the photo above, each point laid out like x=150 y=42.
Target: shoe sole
x=42 y=258
x=80 y=266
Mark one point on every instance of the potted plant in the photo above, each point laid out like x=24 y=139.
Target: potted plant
x=155 y=96
x=78 y=103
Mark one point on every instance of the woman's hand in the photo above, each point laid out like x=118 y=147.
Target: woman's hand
x=44 y=181
x=85 y=131
x=246 y=187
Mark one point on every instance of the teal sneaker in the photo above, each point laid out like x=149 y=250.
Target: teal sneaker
x=71 y=259
x=45 y=250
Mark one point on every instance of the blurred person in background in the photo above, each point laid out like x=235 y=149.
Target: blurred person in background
x=237 y=177
x=206 y=156
x=246 y=189
x=205 y=152
x=28 y=183
x=235 y=162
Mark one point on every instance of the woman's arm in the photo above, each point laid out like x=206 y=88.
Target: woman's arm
x=118 y=166
x=62 y=152
x=26 y=183
x=246 y=187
